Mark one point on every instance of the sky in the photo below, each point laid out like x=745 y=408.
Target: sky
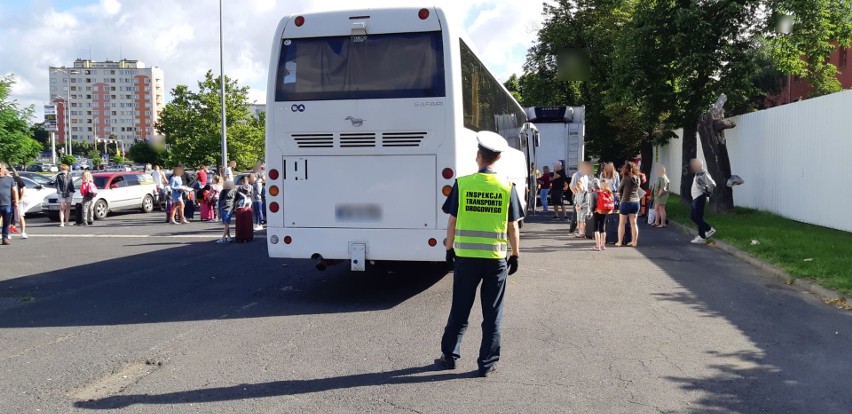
x=182 y=36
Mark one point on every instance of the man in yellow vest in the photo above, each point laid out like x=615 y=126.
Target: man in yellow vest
x=484 y=211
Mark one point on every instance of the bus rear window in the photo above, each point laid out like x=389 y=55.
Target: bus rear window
x=383 y=66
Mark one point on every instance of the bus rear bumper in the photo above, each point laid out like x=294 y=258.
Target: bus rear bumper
x=345 y=244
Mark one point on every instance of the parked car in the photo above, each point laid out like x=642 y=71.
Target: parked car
x=34 y=195
x=45 y=180
x=42 y=168
x=121 y=191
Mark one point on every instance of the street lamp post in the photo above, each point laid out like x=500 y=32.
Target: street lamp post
x=222 y=91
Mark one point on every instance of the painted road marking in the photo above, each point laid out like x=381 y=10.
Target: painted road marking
x=129 y=236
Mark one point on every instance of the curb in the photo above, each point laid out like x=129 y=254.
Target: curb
x=828 y=295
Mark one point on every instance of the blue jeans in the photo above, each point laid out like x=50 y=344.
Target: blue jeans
x=543 y=195
x=697 y=215
x=257 y=206
x=468 y=274
x=6 y=215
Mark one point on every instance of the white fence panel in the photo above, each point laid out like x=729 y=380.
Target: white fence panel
x=795 y=160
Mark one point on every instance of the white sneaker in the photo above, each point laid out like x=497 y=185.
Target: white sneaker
x=61 y=224
x=222 y=241
x=698 y=240
x=711 y=232
x=24 y=236
x=258 y=228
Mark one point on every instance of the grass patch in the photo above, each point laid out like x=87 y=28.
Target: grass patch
x=802 y=250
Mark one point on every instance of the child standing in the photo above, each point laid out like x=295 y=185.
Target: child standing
x=226 y=209
x=604 y=206
x=583 y=206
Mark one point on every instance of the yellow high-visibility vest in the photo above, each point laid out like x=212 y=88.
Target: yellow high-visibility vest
x=483 y=217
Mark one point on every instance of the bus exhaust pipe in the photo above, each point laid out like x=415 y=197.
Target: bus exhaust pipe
x=322 y=264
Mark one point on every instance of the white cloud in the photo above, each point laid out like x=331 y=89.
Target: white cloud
x=182 y=38
x=111 y=7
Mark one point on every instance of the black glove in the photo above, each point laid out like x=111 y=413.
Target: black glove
x=513 y=264
x=451 y=257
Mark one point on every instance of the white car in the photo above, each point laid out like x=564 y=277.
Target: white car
x=34 y=195
x=121 y=191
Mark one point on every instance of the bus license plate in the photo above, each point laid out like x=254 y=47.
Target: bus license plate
x=359 y=213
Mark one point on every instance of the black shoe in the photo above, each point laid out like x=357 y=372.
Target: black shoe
x=488 y=371
x=556 y=217
x=446 y=362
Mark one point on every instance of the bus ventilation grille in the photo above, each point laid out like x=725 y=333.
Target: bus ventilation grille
x=358 y=140
x=314 y=140
x=402 y=139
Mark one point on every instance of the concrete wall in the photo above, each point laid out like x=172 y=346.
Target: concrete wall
x=795 y=160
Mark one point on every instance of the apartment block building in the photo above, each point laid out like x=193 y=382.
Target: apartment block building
x=107 y=98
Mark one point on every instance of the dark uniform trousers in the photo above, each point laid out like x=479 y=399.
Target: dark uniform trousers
x=468 y=274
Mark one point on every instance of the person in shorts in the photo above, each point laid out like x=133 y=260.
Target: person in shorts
x=226 y=203
x=628 y=208
x=65 y=190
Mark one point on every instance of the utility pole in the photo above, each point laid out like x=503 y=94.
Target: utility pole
x=52 y=147
x=222 y=90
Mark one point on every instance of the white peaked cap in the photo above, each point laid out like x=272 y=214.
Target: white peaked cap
x=492 y=141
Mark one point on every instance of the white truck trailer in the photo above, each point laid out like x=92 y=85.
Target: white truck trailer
x=562 y=133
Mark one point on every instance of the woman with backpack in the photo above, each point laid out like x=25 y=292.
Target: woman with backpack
x=89 y=191
x=604 y=206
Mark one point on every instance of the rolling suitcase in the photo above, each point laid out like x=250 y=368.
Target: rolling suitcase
x=245 y=225
x=189 y=209
x=590 y=227
x=206 y=211
x=612 y=230
x=78 y=213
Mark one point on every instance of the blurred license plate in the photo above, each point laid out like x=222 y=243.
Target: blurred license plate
x=362 y=212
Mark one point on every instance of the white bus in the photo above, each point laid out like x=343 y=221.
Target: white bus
x=372 y=115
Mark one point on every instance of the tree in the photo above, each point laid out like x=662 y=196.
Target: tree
x=118 y=159
x=41 y=135
x=191 y=123
x=17 y=147
x=146 y=153
x=679 y=56
x=68 y=160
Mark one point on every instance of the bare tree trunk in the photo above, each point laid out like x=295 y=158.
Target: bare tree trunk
x=711 y=130
x=689 y=152
x=646 y=151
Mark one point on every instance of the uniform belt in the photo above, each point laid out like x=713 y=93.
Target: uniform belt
x=482 y=234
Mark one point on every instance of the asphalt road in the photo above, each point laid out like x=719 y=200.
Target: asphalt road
x=143 y=317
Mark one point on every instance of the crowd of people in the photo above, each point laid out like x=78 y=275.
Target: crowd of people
x=617 y=198
x=217 y=197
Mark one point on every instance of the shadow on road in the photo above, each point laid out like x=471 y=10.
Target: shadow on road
x=203 y=281
x=804 y=349
x=276 y=388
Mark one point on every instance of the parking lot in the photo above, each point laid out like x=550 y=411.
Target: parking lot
x=139 y=315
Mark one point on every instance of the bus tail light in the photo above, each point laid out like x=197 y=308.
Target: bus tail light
x=274 y=191
x=447 y=190
x=447 y=173
x=274 y=207
x=433 y=242
x=273 y=174
x=423 y=14
x=288 y=240
x=300 y=20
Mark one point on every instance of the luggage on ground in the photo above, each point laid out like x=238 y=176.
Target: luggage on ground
x=78 y=213
x=612 y=230
x=245 y=225
x=206 y=211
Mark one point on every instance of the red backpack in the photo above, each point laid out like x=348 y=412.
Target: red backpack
x=606 y=201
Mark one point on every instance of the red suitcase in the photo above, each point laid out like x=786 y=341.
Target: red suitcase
x=206 y=211
x=245 y=225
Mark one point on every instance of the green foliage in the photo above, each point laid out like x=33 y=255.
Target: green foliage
x=118 y=159
x=68 y=160
x=41 y=135
x=783 y=242
x=191 y=123
x=16 y=143
x=146 y=153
